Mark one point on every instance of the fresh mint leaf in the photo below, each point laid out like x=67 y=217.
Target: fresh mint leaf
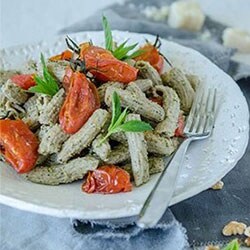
x=46 y=85
x=135 y=126
x=108 y=34
x=118 y=120
x=116 y=108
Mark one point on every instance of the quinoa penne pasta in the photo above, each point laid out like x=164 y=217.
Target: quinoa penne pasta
x=89 y=110
x=14 y=93
x=138 y=153
x=102 y=89
x=63 y=173
x=118 y=154
x=159 y=144
x=177 y=80
x=171 y=105
x=143 y=84
x=83 y=138
x=194 y=81
x=148 y=72
x=55 y=68
x=50 y=113
x=136 y=103
x=52 y=140
x=156 y=165
x=102 y=150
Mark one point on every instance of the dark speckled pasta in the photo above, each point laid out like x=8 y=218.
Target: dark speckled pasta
x=148 y=72
x=137 y=102
x=84 y=137
x=63 y=173
x=177 y=80
x=14 y=93
x=138 y=153
x=52 y=140
x=171 y=105
x=50 y=112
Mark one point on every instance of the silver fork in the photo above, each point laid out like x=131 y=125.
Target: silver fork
x=199 y=126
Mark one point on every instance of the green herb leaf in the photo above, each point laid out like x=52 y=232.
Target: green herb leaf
x=108 y=34
x=122 y=51
x=135 y=54
x=233 y=245
x=118 y=120
x=116 y=108
x=48 y=85
x=135 y=126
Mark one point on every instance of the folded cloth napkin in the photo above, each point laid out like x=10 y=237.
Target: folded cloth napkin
x=29 y=231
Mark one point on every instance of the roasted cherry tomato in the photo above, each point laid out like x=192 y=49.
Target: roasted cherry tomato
x=180 y=129
x=107 y=179
x=24 y=81
x=158 y=100
x=104 y=66
x=151 y=55
x=18 y=145
x=65 y=55
x=80 y=103
x=66 y=79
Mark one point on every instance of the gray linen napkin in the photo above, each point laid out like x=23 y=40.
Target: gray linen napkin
x=29 y=231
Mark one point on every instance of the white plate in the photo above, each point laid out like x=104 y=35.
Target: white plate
x=206 y=162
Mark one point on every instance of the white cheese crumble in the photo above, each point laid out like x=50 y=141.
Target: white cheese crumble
x=237 y=39
x=186 y=15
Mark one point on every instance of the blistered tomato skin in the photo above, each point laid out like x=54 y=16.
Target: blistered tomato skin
x=179 y=132
x=24 y=81
x=105 y=67
x=151 y=55
x=18 y=145
x=65 y=55
x=80 y=103
x=107 y=179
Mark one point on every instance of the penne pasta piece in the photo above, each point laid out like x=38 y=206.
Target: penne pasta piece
x=159 y=144
x=30 y=67
x=130 y=62
x=52 y=140
x=6 y=75
x=102 y=89
x=117 y=155
x=57 y=69
x=119 y=137
x=143 y=84
x=137 y=102
x=103 y=149
x=138 y=153
x=14 y=93
x=64 y=173
x=177 y=80
x=156 y=165
x=194 y=81
x=171 y=105
x=148 y=72
x=50 y=112
x=31 y=117
x=83 y=138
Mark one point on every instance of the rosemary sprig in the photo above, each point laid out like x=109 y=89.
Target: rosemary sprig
x=46 y=85
x=118 y=120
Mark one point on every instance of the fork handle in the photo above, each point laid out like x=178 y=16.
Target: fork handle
x=162 y=193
